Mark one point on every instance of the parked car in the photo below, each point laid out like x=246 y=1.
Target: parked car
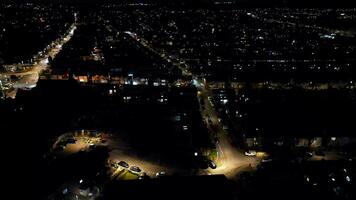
x=308 y=154
x=265 y=160
x=212 y=164
x=250 y=153
x=123 y=164
x=135 y=169
x=143 y=176
x=161 y=173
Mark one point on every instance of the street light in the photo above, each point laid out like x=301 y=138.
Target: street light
x=195 y=153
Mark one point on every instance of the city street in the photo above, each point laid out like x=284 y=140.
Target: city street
x=29 y=78
x=231 y=160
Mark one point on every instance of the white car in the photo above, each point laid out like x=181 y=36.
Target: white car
x=250 y=153
x=266 y=160
x=162 y=173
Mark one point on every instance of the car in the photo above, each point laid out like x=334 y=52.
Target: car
x=143 y=176
x=308 y=154
x=266 y=160
x=123 y=164
x=250 y=153
x=135 y=169
x=212 y=164
x=161 y=173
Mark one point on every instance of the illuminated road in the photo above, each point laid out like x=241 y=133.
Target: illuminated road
x=164 y=56
x=29 y=78
x=143 y=42
x=231 y=161
x=349 y=33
